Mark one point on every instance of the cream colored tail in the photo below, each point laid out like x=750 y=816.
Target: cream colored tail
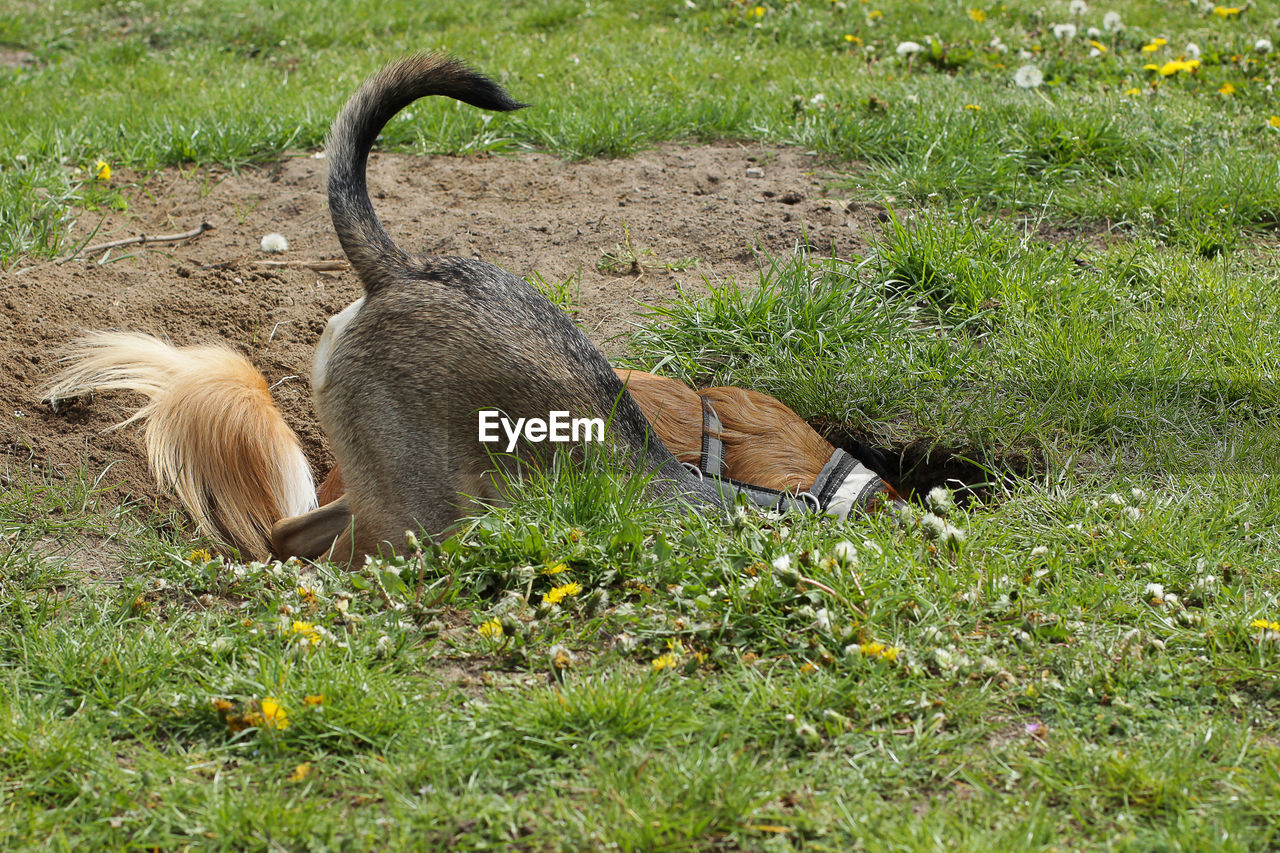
x=213 y=434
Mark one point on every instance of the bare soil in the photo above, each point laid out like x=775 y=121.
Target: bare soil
x=719 y=204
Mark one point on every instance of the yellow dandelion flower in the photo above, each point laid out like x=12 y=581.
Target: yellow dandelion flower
x=758 y=11
x=1274 y=121
x=977 y=15
x=808 y=667
x=1133 y=91
x=1173 y=66
x=874 y=14
x=1264 y=625
x=891 y=654
x=313 y=699
x=1226 y=11
x=556 y=569
x=102 y=170
x=1098 y=46
x=200 y=555
x=1227 y=89
x=974 y=107
x=301 y=772
x=222 y=705
x=852 y=39
x=666 y=660
x=560 y=593
x=307 y=630
x=1155 y=45
x=273 y=714
x=574 y=534
x=491 y=630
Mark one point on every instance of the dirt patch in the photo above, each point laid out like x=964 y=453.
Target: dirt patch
x=717 y=204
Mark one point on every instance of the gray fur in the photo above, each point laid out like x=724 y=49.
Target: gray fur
x=439 y=338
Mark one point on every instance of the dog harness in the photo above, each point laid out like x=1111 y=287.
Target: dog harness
x=843 y=485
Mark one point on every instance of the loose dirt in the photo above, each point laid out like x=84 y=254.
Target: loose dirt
x=719 y=204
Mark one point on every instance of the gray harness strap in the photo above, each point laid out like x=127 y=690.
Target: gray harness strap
x=843 y=485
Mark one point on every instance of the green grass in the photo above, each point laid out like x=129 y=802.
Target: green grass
x=1091 y=669
x=147 y=84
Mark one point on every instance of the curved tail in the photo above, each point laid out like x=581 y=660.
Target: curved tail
x=367 y=245
x=213 y=434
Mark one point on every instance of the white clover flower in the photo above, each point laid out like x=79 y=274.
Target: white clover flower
x=1262 y=45
x=1028 y=77
x=275 y=243
x=782 y=563
x=845 y=553
x=1025 y=54
x=1112 y=22
x=1093 y=33
x=940 y=500
x=1133 y=512
x=1078 y=7
x=1204 y=584
x=1040 y=550
x=1116 y=498
x=873 y=547
x=1192 y=50
x=1155 y=590
x=1064 y=31
x=909 y=48
x=822 y=620
x=1138 y=494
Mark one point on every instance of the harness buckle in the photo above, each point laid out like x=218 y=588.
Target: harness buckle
x=810 y=500
x=694 y=468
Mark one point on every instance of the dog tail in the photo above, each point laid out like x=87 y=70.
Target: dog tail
x=213 y=434
x=367 y=245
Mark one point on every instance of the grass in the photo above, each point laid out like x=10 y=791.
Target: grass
x=1092 y=668
x=146 y=85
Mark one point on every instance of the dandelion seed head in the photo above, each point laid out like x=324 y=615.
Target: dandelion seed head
x=909 y=48
x=940 y=500
x=1028 y=77
x=1262 y=45
x=1112 y=22
x=932 y=525
x=274 y=243
x=1064 y=32
x=1078 y=7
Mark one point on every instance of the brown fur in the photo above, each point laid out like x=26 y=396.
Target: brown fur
x=213 y=434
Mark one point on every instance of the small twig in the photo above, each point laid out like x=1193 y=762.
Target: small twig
x=139 y=240
x=335 y=265
x=822 y=586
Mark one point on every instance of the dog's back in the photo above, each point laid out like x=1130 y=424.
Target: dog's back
x=438 y=339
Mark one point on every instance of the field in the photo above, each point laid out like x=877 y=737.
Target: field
x=1027 y=250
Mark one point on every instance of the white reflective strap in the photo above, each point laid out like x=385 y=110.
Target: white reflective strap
x=858 y=486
